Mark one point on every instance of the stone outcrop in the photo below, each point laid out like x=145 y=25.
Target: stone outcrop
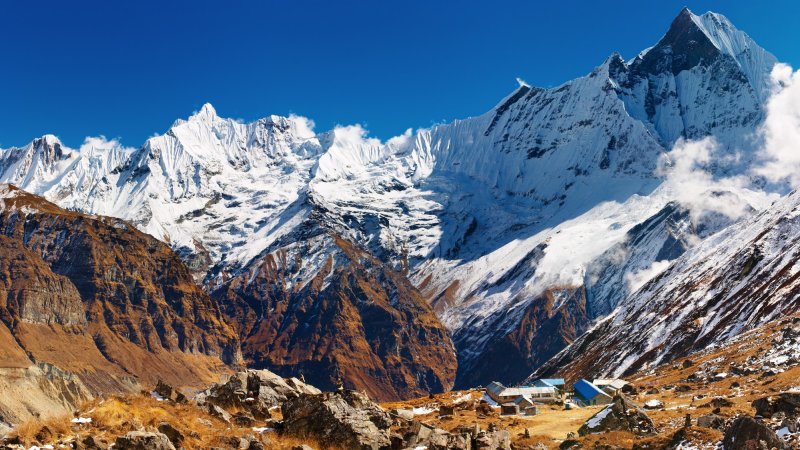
x=787 y=403
x=143 y=440
x=346 y=418
x=746 y=433
x=254 y=391
x=620 y=415
x=711 y=421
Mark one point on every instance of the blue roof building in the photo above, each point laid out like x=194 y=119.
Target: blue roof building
x=590 y=394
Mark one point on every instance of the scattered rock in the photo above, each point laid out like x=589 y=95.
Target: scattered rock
x=620 y=415
x=718 y=402
x=568 y=444
x=344 y=418
x=243 y=419
x=167 y=392
x=255 y=391
x=219 y=413
x=172 y=433
x=302 y=447
x=687 y=363
x=711 y=421
x=442 y=440
x=496 y=440
x=746 y=433
x=654 y=404
x=404 y=414
x=787 y=403
x=89 y=443
x=205 y=422
x=143 y=440
x=44 y=434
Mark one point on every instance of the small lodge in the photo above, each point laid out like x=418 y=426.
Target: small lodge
x=525 y=395
x=589 y=395
x=557 y=383
x=509 y=409
x=611 y=386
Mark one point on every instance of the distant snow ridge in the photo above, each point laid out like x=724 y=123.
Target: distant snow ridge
x=552 y=191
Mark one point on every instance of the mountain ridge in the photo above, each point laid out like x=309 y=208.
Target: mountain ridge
x=485 y=216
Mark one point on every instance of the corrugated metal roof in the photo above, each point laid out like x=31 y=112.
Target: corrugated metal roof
x=522 y=398
x=495 y=388
x=513 y=392
x=613 y=382
x=549 y=382
x=587 y=390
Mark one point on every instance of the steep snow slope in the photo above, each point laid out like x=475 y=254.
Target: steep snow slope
x=506 y=221
x=732 y=282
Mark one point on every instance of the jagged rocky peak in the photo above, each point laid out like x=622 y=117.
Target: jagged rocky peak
x=694 y=40
x=685 y=45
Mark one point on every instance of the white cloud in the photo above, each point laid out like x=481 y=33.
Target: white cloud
x=780 y=154
x=303 y=126
x=686 y=166
x=96 y=145
x=402 y=142
x=637 y=279
x=686 y=169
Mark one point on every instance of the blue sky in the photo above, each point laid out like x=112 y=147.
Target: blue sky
x=128 y=69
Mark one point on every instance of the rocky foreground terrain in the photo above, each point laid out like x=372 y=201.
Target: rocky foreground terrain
x=741 y=395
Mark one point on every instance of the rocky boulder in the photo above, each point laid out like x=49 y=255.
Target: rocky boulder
x=167 y=392
x=746 y=433
x=143 y=440
x=711 y=421
x=88 y=443
x=173 y=434
x=493 y=440
x=345 y=418
x=787 y=403
x=620 y=415
x=254 y=391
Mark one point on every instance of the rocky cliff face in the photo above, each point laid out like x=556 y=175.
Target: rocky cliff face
x=94 y=298
x=325 y=308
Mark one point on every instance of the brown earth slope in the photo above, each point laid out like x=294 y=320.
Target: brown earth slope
x=322 y=307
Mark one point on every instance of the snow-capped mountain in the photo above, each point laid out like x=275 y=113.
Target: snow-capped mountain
x=730 y=283
x=528 y=220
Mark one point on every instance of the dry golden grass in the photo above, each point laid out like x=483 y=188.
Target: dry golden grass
x=118 y=415
x=43 y=431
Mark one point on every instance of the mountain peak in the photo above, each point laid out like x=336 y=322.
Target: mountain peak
x=48 y=139
x=206 y=114
x=693 y=40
